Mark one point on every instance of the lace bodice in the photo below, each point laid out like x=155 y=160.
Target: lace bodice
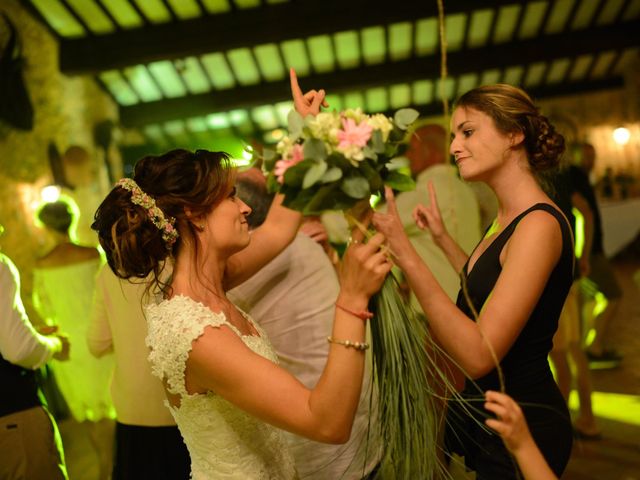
x=224 y=442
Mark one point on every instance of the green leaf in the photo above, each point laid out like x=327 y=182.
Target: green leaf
x=376 y=141
x=405 y=117
x=355 y=186
x=294 y=176
x=272 y=183
x=331 y=175
x=399 y=181
x=369 y=153
x=322 y=200
x=315 y=173
x=314 y=149
x=397 y=163
x=295 y=123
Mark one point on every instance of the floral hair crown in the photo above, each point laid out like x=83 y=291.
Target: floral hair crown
x=164 y=224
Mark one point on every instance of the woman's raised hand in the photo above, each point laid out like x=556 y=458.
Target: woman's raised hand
x=429 y=217
x=365 y=265
x=306 y=103
x=390 y=225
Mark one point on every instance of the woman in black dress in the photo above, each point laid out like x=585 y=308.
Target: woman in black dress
x=516 y=279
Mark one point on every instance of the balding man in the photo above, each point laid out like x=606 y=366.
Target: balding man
x=429 y=163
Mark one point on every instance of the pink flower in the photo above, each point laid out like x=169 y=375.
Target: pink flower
x=352 y=134
x=295 y=156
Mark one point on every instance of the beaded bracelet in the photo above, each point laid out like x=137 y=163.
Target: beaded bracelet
x=363 y=315
x=362 y=346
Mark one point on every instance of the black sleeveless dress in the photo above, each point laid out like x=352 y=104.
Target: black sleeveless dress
x=527 y=375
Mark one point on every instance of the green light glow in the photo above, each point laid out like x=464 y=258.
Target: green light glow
x=243 y=66
x=479 y=28
x=467 y=82
x=269 y=62
x=335 y=102
x=579 y=233
x=218 y=70
x=353 y=100
x=218 y=120
x=612 y=406
x=120 y=89
x=513 y=75
x=455 y=28
x=535 y=72
x=92 y=16
x=399 y=95
x=59 y=18
x=534 y=14
x=124 y=13
x=558 y=70
x=580 y=67
x=282 y=111
x=154 y=10
x=75 y=215
x=185 y=8
x=321 y=53
x=265 y=117
x=400 y=40
x=216 y=6
x=295 y=56
x=373 y=45
x=167 y=78
x=142 y=83
x=422 y=92
x=376 y=99
x=426 y=36
x=193 y=75
x=506 y=23
x=491 y=76
x=347 y=49
x=197 y=124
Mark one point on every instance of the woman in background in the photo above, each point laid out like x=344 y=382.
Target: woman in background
x=63 y=288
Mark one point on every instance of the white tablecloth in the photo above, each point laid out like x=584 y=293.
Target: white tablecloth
x=620 y=224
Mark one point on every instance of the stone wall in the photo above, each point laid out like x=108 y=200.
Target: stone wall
x=66 y=109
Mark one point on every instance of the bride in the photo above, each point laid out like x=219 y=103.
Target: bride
x=227 y=393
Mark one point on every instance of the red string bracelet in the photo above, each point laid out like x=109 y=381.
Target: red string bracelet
x=363 y=315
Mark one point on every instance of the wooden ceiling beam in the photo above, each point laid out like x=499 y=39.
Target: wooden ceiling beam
x=547 y=49
x=241 y=28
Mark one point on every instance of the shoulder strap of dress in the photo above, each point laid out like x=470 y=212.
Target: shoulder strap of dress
x=508 y=231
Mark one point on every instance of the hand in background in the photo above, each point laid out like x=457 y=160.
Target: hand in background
x=63 y=354
x=510 y=422
x=429 y=217
x=390 y=225
x=306 y=103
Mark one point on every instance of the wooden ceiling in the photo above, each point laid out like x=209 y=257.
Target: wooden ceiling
x=200 y=72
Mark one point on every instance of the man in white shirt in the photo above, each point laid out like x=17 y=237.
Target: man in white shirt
x=293 y=299
x=148 y=443
x=30 y=444
x=459 y=208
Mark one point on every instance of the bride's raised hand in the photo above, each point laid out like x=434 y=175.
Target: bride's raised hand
x=306 y=103
x=429 y=217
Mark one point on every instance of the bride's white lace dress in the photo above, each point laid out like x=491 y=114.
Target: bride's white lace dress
x=224 y=442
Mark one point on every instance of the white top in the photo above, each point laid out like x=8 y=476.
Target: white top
x=118 y=327
x=293 y=298
x=20 y=343
x=461 y=216
x=62 y=295
x=224 y=442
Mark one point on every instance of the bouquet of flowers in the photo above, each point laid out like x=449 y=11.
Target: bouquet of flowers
x=332 y=162
x=336 y=159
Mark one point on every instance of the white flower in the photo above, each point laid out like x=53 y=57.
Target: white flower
x=324 y=126
x=353 y=153
x=355 y=114
x=382 y=123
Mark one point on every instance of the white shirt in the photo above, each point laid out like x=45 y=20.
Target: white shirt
x=293 y=299
x=460 y=214
x=118 y=326
x=20 y=343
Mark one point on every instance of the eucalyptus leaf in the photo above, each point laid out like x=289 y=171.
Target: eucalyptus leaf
x=331 y=175
x=399 y=181
x=315 y=173
x=315 y=149
x=397 y=163
x=376 y=142
x=405 y=117
x=295 y=121
x=355 y=186
x=368 y=152
x=321 y=201
x=294 y=176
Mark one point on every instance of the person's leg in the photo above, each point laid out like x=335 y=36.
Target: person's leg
x=603 y=276
x=585 y=424
x=30 y=446
x=101 y=434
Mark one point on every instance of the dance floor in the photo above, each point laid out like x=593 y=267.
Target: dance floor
x=616 y=403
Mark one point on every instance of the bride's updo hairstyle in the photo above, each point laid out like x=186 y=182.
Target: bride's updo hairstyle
x=512 y=111
x=136 y=241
